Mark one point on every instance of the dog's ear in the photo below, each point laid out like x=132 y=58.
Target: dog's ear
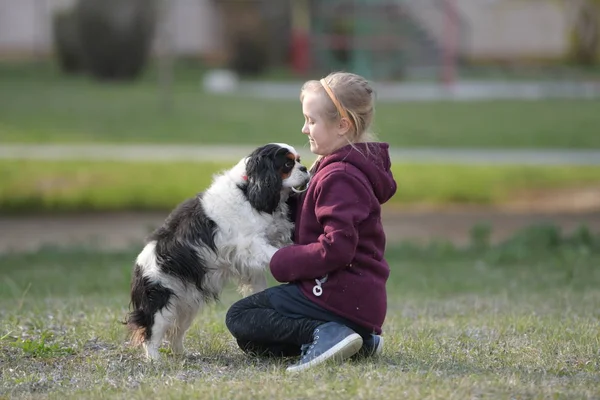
x=264 y=183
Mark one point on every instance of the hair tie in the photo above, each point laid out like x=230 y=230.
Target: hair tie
x=341 y=110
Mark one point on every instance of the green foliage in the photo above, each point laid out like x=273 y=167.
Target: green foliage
x=565 y=255
x=116 y=36
x=526 y=244
x=246 y=34
x=67 y=44
x=480 y=236
x=537 y=258
x=532 y=241
x=250 y=57
x=585 y=43
x=41 y=348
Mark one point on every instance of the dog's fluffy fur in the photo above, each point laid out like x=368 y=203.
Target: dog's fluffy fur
x=230 y=231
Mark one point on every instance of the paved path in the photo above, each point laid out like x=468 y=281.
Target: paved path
x=162 y=152
x=463 y=90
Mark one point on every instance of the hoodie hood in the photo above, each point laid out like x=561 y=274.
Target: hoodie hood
x=372 y=159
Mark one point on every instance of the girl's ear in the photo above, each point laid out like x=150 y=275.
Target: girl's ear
x=344 y=127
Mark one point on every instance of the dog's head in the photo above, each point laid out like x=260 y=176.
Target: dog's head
x=271 y=170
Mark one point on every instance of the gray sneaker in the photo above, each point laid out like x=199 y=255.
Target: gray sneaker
x=330 y=341
x=372 y=347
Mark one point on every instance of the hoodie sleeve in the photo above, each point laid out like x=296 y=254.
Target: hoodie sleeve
x=342 y=203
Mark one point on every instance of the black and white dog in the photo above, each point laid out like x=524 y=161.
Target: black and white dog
x=230 y=231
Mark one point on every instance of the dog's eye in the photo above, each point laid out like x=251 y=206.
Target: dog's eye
x=289 y=164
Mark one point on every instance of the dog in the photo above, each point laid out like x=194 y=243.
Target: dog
x=230 y=231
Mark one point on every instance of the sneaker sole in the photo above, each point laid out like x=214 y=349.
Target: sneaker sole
x=376 y=352
x=379 y=348
x=341 y=351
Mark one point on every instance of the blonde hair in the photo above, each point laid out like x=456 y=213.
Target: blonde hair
x=349 y=96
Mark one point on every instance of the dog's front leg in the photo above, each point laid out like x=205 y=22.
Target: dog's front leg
x=254 y=284
x=258 y=284
x=260 y=254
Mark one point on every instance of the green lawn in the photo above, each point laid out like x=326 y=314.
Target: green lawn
x=515 y=321
x=47 y=186
x=40 y=105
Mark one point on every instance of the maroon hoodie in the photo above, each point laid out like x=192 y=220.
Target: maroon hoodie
x=339 y=237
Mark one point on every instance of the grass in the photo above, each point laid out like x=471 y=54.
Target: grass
x=519 y=320
x=38 y=105
x=48 y=186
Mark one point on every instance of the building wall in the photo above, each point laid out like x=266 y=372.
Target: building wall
x=516 y=28
x=23 y=26
x=501 y=29
x=26 y=26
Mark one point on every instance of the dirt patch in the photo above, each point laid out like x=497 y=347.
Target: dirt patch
x=566 y=208
x=574 y=199
x=455 y=225
x=125 y=229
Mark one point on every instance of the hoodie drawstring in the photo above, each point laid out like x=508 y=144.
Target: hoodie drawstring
x=317 y=289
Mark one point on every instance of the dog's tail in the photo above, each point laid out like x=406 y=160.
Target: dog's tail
x=147 y=298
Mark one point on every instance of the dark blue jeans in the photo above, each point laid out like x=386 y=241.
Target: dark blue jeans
x=278 y=321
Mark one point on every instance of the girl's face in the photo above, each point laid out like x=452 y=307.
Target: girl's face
x=324 y=136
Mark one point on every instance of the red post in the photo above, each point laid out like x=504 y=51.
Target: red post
x=300 y=41
x=449 y=45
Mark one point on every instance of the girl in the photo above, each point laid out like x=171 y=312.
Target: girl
x=334 y=301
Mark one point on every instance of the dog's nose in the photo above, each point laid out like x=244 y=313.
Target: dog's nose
x=302 y=168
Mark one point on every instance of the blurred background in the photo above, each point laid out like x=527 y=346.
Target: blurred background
x=399 y=40
x=128 y=106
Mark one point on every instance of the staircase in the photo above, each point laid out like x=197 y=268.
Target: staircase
x=380 y=39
